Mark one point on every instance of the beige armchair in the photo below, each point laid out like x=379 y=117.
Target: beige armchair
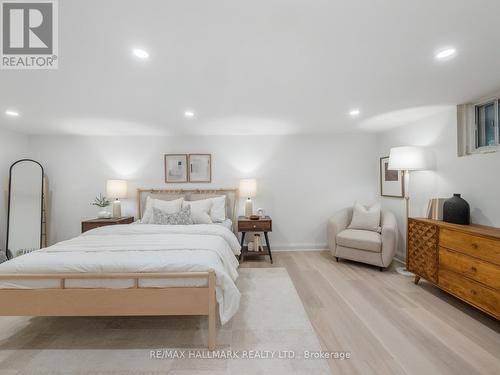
x=361 y=245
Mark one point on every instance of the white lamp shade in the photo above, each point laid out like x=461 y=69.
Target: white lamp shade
x=248 y=187
x=116 y=188
x=407 y=158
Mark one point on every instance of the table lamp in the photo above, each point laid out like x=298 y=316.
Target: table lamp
x=248 y=188
x=406 y=159
x=116 y=189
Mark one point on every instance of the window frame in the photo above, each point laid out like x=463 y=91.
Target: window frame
x=484 y=103
x=470 y=119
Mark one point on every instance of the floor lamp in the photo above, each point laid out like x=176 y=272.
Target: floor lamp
x=407 y=159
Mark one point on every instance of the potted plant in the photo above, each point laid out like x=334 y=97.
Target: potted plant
x=102 y=202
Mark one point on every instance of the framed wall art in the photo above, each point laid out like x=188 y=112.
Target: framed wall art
x=391 y=181
x=176 y=168
x=200 y=168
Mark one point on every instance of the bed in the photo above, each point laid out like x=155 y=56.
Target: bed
x=134 y=269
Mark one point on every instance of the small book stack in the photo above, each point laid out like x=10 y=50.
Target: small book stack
x=256 y=244
x=435 y=208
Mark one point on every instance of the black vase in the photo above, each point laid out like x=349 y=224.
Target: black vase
x=456 y=210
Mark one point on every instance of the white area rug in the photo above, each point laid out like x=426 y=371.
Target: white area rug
x=271 y=322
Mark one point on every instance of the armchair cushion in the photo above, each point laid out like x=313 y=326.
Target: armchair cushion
x=366 y=218
x=360 y=239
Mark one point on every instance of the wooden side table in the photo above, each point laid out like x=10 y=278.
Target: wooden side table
x=96 y=223
x=264 y=225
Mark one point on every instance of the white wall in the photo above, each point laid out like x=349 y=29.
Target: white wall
x=13 y=146
x=302 y=180
x=476 y=177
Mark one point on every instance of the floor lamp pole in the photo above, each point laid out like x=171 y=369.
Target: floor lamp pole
x=407 y=215
x=406 y=181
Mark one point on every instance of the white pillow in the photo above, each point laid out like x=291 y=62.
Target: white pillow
x=200 y=210
x=169 y=207
x=218 y=211
x=365 y=218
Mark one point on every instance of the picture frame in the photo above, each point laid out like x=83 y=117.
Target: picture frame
x=176 y=168
x=391 y=181
x=200 y=168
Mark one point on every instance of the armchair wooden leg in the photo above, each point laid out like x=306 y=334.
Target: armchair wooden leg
x=337 y=259
x=381 y=269
x=417 y=279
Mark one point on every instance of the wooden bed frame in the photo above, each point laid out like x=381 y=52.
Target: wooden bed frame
x=135 y=301
x=112 y=302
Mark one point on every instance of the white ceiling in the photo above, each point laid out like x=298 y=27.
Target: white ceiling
x=258 y=67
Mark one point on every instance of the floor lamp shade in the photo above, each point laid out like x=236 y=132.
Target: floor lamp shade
x=116 y=189
x=248 y=188
x=407 y=158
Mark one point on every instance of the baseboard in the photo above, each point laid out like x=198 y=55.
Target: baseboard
x=299 y=247
x=399 y=260
x=313 y=247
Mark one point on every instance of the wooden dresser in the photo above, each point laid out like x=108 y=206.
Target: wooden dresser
x=463 y=260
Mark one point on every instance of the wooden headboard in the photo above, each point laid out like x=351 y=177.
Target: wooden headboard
x=232 y=198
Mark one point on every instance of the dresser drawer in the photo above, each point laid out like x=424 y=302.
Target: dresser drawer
x=470 y=291
x=255 y=226
x=476 y=269
x=475 y=246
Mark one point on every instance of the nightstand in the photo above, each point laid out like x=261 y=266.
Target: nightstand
x=96 y=223
x=264 y=225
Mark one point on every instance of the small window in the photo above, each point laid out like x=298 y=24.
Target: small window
x=478 y=126
x=487 y=124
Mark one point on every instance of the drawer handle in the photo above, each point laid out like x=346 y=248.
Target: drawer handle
x=475 y=246
x=255 y=226
x=474 y=269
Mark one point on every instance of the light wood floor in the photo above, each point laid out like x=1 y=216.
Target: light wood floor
x=389 y=325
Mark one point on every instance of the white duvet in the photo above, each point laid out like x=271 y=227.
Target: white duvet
x=139 y=248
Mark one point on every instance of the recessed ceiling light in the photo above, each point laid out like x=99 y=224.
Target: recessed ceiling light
x=189 y=113
x=354 y=112
x=140 y=53
x=446 y=54
x=12 y=113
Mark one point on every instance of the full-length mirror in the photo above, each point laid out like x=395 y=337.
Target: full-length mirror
x=25 y=223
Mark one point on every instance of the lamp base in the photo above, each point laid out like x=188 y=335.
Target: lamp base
x=248 y=208
x=117 y=209
x=403 y=271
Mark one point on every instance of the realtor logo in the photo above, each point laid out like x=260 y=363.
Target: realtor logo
x=29 y=34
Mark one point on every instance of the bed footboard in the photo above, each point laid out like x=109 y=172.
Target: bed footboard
x=133 y=301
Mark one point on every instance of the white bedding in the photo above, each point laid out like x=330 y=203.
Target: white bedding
x=228 y=223
x=139 y=248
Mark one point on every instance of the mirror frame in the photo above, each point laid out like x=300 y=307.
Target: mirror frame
x=9 y=199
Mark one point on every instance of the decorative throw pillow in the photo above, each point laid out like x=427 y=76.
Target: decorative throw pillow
x=218 y=210
x=365 y=218
x=169 y=207
x=200 y=210
x=183 y=217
